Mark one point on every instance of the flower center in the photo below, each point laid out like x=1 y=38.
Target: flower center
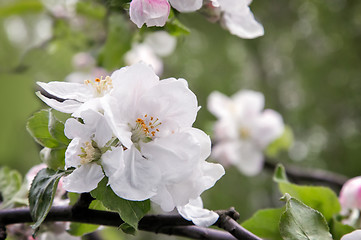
x=89 y=153
x=244 y=133
x=101 y=86
x=145 y=129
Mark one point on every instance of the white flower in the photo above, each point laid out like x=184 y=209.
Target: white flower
x=355 y=235
x=76 y=97
x=350 y=197
x=153 y=120
x=155 y=45
x=195 y=212
x=156 y=12
x=237 y=17
x=243 y=130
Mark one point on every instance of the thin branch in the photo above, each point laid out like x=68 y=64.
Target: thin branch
x=167 y=224
x=298 y=174
x=227 y=221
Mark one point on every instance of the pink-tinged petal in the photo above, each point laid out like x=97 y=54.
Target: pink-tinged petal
x=268 y=127
x=355 y=235
x=84 y=178
x=186 y=5
x=66 y=90
x=175 y=155
x=242 y=24
x=139 y=178
x=149 y=12
x=195 y=212
x=68 y=106
x=350 y=194
x=171 y=101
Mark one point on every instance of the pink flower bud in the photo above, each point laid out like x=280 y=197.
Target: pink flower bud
x=150 y=12
x=350 y=195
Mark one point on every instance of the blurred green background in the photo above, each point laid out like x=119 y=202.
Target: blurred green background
x=308 y=65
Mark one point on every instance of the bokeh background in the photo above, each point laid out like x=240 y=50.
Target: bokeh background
x=308 y=65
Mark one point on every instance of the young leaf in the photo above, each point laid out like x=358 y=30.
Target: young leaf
x=42 y=193
x=282 y=143
x=53 y=158
x=10 y=185
x=301 y=222
x=38 y=127
x=56 y=129
x=264 y=223
x=130 y=211
x=322 y=199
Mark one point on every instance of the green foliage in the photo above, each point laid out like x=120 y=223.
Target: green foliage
x=338 y=229
x=117 y=44
x=22 y=7
x=91 y=10
x=176 y=28
x=130 y=211
x=48 y=131
x=282 y=143
x=42 y=192
x=300 y=222
x=322 y=199
x=264 y=223
x=11 y=188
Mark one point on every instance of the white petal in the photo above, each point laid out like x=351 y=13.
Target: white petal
x=113 y=161
x=195 y=212
x=269 y=127
x=355 y=235
x=67 y=90
x=73 y=128
x=138 y=180
x=204 y=142
x=220 y=105
x=72 y=158
x=243 y=24
x=84 y=179
x=171 y=100
x=186 y=5
x=161 y=42
x=151 y=12
x=174 y=155
x=164 y=199
x=249 y=103
x=68 y=106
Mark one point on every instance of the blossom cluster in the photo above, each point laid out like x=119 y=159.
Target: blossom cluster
x=243 y=129
x=136 y=130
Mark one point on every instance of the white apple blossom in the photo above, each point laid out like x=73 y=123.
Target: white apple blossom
x=243 y=129
x=195 y=212
x=355 y=235
x=156 y=12
x=153 y=120
x=155 y=45
x=236 y=16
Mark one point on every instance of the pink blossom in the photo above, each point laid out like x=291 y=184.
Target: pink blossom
x=350 y=195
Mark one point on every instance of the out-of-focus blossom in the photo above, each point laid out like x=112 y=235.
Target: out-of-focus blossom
x=355 y=235
x=155 y=45
x=156 y=12
x=350 y=194
x=236 y=16
x=61 y=8
x=243 y=129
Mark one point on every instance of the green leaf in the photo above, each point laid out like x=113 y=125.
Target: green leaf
x=130 y=211
x=56 y=129
x=53 y=158
x=42 y=193
x=338 y=229
x=10 y=185
x=284 y=142
x=91 y=10
x=300 y=222
x=80 y=229
x=176 y=28
x=126 y=228
x=264 y=223
x=38 y=127
x=20 y=7
x=322 y=199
